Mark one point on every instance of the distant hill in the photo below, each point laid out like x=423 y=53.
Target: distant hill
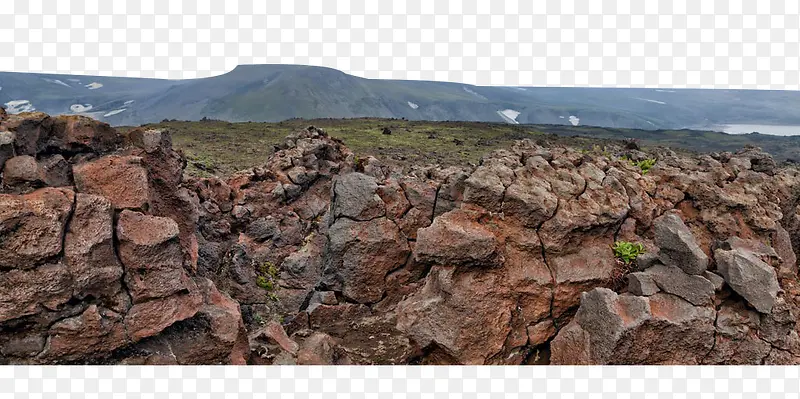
x=271 y=93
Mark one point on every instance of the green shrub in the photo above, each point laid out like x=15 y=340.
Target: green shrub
x=267 y=278
x=264 y=283
x=644 y=165
x=627 y=252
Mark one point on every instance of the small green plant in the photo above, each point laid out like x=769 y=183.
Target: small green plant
x=644 y=165
x=264 y=283
x=267 y=278
x=258 y=319
x=626 y=251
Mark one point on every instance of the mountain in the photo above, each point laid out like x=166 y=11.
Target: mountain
x=271 y=93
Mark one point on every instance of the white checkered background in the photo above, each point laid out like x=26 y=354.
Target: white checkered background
x=634 y=43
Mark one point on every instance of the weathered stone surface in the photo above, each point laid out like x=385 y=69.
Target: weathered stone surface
x=27 y=292
x=150 y=140
x=32 y=226
x=263 y=229
x=150 y=318
x=214 y=335
x=355 y=197
x=458 y=239
x=26 y=346
x=151 y=252
x=673 y=280
x=530 y=201
x=122 y=179
x=361 y=254
x=6 y=147
x=486 y=186
x=274 y=331
x=640 y=283
x=678 y=246
x=646 y=260
x=55 y=171
x=31 y=131
x=95 y=333
x=321 y=349
x=469 y=313
x=148 y=242
x=715 y=279
x=21 y=169
x=89 y=248
x=77 y=133
x=623 y=329
x=749 y=276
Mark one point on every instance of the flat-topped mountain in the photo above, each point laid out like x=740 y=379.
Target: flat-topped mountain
x=279 y=92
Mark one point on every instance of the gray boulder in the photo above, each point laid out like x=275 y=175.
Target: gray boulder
x=678 y=246
x=675 y=281
x=715 y=279
x=355 y=197
x=646 y=260
x=749 y=276
x=642 y=284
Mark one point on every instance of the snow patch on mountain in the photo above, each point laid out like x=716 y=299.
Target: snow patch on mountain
x=412 y=105
x=115 y=112
x=78 y=108
x=470 y=91
x=19 y=106
x=129 y=102
x=58 y=82
x=574 y=120
x=509 y=115
x=94 y=86
x=652 y=101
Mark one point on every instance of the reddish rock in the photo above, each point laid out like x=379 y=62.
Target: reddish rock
x=626 y=329
x=486 y=186
x=89 y=248
x=530 y=200
x=394 y=199
x=24 y=346
x=151 y=252
x=470 y=313
x=32 y=226
x=215 y=335
x=77 y=133
x=147 y=241
x=457 y=239
x=122 y=179
x=274 y=332
x=581 y=270
x=95 y=333
x=28 y=292
x=321 y=349
x=150 y=318
x=360 y=255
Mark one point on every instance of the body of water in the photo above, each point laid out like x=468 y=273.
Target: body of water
x=776 y=130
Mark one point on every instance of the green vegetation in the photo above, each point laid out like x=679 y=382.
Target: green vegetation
x=626 y=251
x=644 y=165
x=267 y=278
x=221 y=148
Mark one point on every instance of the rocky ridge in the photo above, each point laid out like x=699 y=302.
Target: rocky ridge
x=109 y=254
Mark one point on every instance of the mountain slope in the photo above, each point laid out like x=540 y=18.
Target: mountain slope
x=279 y=92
